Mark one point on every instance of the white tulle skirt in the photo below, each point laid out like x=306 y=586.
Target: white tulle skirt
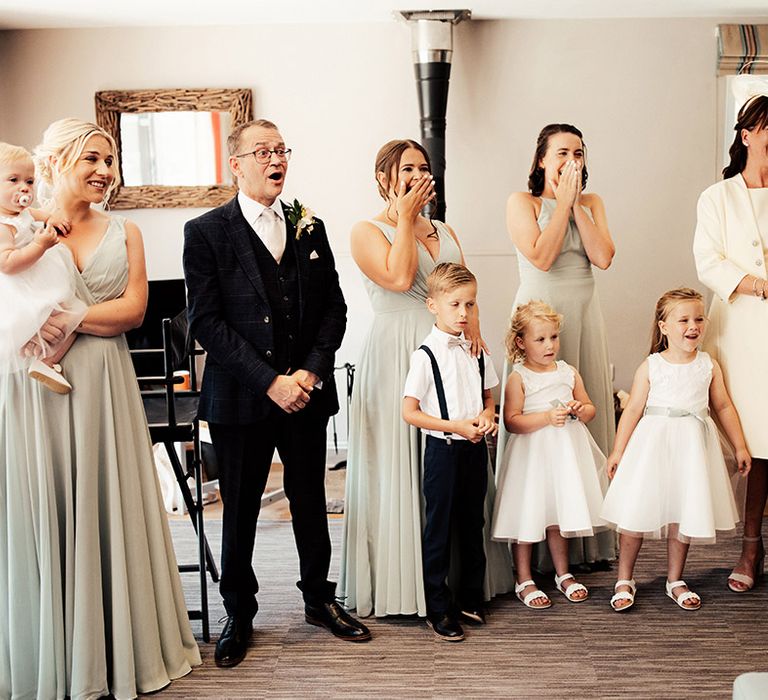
x=672 y=480
x=552 y=477
x=29 y=298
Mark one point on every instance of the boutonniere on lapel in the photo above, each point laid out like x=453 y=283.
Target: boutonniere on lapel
x=302 y=218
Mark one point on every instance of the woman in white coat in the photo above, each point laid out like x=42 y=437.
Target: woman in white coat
x=731 y=251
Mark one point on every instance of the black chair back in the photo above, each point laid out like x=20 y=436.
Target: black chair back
x=166 y=299
x=172 y=418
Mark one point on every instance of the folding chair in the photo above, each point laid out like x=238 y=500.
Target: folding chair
x=172 y=418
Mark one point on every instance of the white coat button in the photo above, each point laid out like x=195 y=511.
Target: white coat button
x=758 y=262
x=266 y=319
x=755 y=243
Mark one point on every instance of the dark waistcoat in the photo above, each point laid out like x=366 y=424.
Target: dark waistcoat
x=281 y=283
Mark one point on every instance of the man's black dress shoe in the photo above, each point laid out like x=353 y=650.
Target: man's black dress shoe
x=333 y=617
x=446 y=629
x=233 y=642
x=475 y=616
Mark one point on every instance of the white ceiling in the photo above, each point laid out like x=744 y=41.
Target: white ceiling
x=17 y=14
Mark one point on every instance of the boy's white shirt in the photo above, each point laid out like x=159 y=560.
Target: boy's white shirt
x=460 y=373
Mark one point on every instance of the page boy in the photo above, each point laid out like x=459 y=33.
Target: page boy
x=447 y=395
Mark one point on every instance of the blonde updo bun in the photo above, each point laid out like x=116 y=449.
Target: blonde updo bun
x=64 y=141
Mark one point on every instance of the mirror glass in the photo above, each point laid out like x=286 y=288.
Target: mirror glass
x=172 y=144
x=175 y=148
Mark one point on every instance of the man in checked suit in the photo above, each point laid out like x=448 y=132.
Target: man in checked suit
x=265 y=304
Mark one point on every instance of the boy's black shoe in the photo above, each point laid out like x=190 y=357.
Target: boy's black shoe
x=474 y=616
x=446 y=628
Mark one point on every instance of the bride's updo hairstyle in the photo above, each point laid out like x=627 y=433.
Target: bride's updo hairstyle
x=388 y=160
x=64 y=141
x=521 y=319
x=753 y=115
x=536 y=176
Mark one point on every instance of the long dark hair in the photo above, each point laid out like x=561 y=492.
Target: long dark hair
x=536 y=176
x=753 y=115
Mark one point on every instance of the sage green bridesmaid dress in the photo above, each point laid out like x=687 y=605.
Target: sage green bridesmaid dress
x=90 y=597
x=381 y=569
x=569 y=287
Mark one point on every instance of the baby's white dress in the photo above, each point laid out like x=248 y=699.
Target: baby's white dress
x=552 y=477
x=672 y=478
x=29 y=297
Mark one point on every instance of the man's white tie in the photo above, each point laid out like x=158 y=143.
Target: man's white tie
x=271 y=230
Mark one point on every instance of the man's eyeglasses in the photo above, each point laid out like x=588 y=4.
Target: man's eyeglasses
x=264 y=155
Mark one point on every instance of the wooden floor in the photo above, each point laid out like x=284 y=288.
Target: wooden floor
x=569 y=651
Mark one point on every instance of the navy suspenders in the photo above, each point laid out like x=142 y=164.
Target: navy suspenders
x=441 y=390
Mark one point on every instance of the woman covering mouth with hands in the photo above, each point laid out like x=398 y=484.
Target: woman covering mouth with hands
x=381 y=568
x=560 y=232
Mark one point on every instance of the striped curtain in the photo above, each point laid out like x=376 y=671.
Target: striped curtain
x=742 y=48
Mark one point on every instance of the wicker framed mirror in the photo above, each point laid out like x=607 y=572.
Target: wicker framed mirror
x=153 y=129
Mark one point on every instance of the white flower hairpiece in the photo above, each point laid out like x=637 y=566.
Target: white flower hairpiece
x=745 y=87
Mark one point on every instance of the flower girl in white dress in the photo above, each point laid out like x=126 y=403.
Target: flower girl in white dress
x=549 y=485
x=669 y=475
x=35 y=277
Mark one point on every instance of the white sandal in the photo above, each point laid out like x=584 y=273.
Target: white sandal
x=526 y=600
x=624 y=595
x=568 y=591
x=680 y=599
x=748 y=581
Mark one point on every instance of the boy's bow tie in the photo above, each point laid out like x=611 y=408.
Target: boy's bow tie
x=459 y=343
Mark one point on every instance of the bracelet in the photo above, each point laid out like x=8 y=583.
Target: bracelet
x=754 y=288
x=762 y=291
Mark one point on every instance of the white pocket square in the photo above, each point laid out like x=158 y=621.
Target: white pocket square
x=313 y=255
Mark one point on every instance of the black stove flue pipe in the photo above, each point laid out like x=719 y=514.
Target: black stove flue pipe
x=432 y=48
x=432 y=84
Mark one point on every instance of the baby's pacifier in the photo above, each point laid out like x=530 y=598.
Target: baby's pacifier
x=25 y=200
